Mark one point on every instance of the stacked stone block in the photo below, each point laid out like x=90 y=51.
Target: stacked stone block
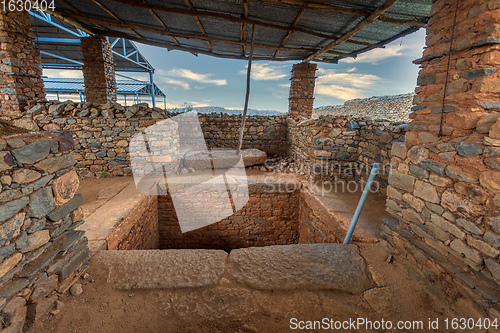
x=445 y=184
x=20 y=68
x=41 y=253
x=102 y=132
x=269 y=218
x=301 y=99
x=344 y=147
x=98 y=70
x=392 y=108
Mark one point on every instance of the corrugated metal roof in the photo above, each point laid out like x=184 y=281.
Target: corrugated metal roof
x=76 y=85
x=291 y=29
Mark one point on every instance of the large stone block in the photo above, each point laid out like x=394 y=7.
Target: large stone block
x=149 y=269
x=56 y=163
x=32 y=153
x=65 y=187
x=401 y=181
x=12 y=208
x=41 y=203
x=426 y=191
x=304 y=266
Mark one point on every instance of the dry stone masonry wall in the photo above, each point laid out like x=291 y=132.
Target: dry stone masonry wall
x=392 y=108
x=41 y=253
x=102 y=132
x=445 y=184
x=332 y=148
x=20 y=68
x=301 y=99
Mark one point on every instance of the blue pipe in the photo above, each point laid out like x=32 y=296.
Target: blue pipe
x=361 y=203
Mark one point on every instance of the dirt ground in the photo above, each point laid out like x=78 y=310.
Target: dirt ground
x=236 y=308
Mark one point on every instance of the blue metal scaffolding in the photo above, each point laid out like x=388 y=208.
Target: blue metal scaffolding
x=60 y=48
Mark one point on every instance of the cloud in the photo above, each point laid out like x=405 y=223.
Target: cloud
x=198 y=77
x=345 y=85
x=377 y=55
x=266 y=72
x=174 y=82
x=70 y=74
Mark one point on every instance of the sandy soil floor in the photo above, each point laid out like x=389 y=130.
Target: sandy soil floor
x=235 y=308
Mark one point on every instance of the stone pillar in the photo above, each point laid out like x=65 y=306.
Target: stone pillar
x=445 y=181
x=20 y=65
x=300 y=102
x=98 y=70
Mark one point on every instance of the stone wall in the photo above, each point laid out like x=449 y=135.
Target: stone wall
x=267 y=133
x=41 y=253
x=445 y=184
x=102 y=132
x=20 y=68
x=393 y=108
x=269 y=218
x=334 y=148
x=144 y=233
x=98 y=70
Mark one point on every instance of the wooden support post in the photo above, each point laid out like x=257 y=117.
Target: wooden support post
x=247 y=96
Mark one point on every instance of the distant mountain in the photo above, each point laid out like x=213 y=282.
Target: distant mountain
x=218 y=109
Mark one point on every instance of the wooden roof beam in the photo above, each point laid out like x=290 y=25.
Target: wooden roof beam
x=289 y=32
x=198 y=23
x=371 y=18
x=243 y=26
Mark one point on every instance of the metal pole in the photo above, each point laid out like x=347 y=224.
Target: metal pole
x=361 y=203
x=247 y=96
x=152 y=87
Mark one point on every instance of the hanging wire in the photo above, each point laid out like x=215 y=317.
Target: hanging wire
x=448 y=69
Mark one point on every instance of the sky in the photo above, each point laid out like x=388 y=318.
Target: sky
x=203 y=80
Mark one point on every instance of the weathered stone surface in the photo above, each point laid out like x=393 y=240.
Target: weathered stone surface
x=495 y=130
x=26 y=123
x=13 y=287
x=401 y=181
x=455 y=203
x=16 y=310
x=412 y=216
x=76 y=289
x=56 y=163
x=22 y=176
x=469 y=226
x=10 y=195
x=6 y=161
x=223 y=158
x=41 y=203
x=11 y=228
x=43 y=287
x=65 y=187
x=469 y=253
x=304 y=266
x=468 y=149
x=70 y=206
x=494 y=268
x=485 y=122
x=426 y=191
x=432 y=166
x=32 y=153
x=10 y=263
x=490 y=179
x=56 y=109
x=456 y=173
x=399 y=149
x=482 y=247
x=447 y=226
x=417 y=154
x=33 y=241
x=147 y=269
x=12 y=208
